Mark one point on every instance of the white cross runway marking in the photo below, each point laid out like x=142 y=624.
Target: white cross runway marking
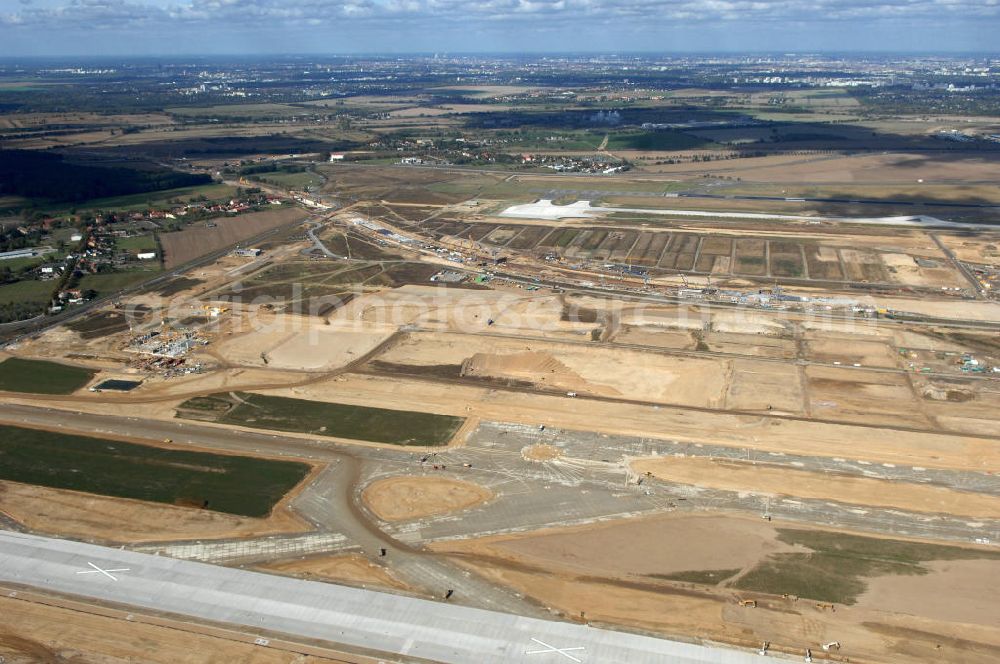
x=562 y=651
x=105 y=572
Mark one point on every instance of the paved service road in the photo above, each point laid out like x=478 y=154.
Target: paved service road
x=401 y=628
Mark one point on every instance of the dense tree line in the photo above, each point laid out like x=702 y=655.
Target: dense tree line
x=12 y=239
x=14 y=311
x=49 y=176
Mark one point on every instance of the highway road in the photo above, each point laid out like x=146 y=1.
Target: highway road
x=402 y=629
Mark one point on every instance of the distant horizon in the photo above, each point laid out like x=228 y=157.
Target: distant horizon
x=516 y=54
x=84 y=28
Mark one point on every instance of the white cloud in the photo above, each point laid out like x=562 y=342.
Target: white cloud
x=642 y=15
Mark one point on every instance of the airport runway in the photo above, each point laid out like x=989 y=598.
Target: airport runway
x=595 y=194
x=402 y=629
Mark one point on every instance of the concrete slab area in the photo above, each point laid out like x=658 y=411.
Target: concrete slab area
x=545 y=209
x=590 y=482
x=401 y=628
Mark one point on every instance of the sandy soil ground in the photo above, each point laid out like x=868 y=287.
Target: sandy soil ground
x=757 y=345
x=452 y=309
x=89 y=516
x=352 y=569
x=36 y=633
x=765 y=385
x=680 y=318
x=960 y=590
x=976 y=250
x=648 y=335
x=406 y=498
x=818 y=329
x=850 y=350
x=622 y=548
x=960 y=405
x=905 y=270
x=302 y=343
x=842 y=393
x=949 y=309
x=928 y=449
x=746 y=322
x=541 y=452
x=788 y=626
x=756 y=478
x=325 y=348
x=607 y=573
x=597 y=369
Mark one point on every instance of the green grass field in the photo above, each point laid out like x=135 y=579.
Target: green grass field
x=655 y=140
x=291 y=180
x=99 y=324
x=42 y=377
x=18 y=263
x=137 y=243
x=556 y=140
x=379 y=425
x=241 y=111
x=233 y=484
x=26 y=291
x=836 y=568
x=105 y=284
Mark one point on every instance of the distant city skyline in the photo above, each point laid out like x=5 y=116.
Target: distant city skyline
x=164 y=27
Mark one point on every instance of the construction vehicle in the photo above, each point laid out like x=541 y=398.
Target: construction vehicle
x=168 y=440
x=824 y=606
x=832 y=645
x=749 y=603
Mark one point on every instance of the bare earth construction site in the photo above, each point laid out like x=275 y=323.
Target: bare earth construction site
x=769 y=425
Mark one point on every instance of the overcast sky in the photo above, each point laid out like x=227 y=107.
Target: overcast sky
x=88 y=27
